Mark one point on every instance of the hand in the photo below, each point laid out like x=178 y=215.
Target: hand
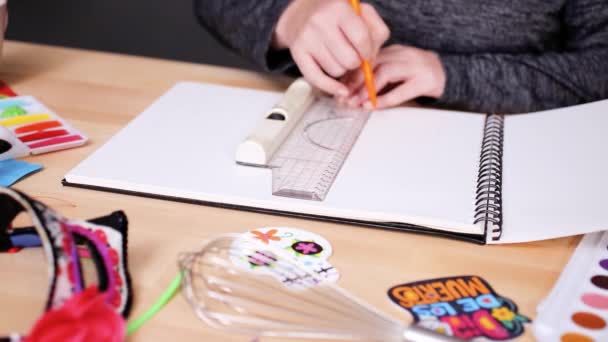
x=327 y=38
x=402 y=73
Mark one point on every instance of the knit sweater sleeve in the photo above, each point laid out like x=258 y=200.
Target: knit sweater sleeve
x=246 y=27
x=509 y=83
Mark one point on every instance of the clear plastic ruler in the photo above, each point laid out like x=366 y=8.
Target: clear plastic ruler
x=307 y=163
x=305 y=139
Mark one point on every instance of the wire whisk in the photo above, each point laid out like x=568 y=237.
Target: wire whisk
x=287 y=299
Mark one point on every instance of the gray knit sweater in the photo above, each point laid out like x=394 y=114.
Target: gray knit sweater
x=499 y=55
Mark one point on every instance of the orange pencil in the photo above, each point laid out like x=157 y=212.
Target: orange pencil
x=365 y=66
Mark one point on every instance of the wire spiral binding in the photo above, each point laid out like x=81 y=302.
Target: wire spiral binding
x=488 y=198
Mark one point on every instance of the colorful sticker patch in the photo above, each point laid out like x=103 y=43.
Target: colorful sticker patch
x=309 y=249
x=465 y=307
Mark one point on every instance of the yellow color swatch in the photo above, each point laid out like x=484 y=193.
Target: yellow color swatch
x=24 y=119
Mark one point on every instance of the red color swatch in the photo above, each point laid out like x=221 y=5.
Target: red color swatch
x=43 y=135
x=39 y=126
x=56 y=141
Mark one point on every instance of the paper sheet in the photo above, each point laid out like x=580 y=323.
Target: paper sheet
x=409 y=165
x=555 y=173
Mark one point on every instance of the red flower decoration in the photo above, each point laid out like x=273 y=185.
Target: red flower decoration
x=101 y=235
x=84 y=317
x=113 y=256
x=117 y=278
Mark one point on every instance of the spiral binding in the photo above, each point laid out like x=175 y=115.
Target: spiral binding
x=488 y=199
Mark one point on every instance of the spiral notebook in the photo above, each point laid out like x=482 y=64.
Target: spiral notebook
x=477 y=177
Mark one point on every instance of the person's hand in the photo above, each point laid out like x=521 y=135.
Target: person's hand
x=327 y=38
x=402 y=73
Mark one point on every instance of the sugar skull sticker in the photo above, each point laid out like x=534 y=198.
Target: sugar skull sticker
x=465 y=307
x=310 y=249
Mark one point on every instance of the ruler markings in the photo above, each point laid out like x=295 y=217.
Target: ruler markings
x=310 y=159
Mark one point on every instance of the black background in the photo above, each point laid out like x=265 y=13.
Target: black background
x=156 y=28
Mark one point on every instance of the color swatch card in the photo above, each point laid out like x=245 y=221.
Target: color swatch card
x=29 y=127
x=576 y=310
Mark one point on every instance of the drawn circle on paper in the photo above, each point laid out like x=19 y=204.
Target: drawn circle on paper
x=328 y=133
x=5 y=146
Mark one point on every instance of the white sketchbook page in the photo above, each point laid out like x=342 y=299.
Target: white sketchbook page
x=409 y=165
x=555 y=173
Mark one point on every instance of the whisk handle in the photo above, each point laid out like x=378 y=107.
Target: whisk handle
x=417 y=334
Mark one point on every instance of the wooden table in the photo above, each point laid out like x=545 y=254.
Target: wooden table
x=99 y=93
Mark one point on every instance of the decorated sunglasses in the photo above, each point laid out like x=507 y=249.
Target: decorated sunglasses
x=75 y=310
